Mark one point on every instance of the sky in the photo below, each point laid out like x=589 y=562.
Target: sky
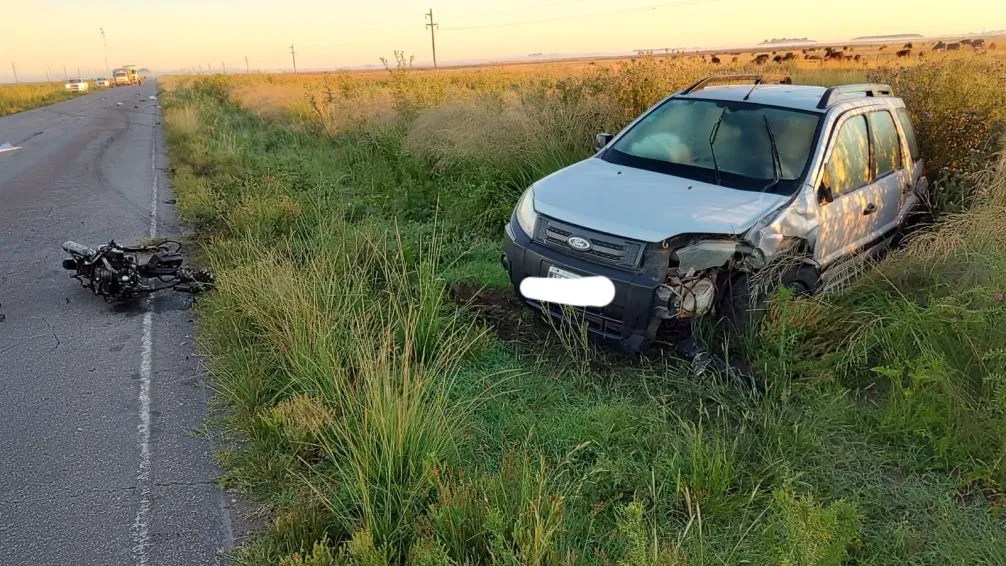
x=41 y=36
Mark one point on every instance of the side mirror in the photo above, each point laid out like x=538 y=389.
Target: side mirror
x=601 y=141
x=824 y=194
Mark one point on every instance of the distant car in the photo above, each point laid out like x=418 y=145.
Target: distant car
x=103 y=82
x=76 y=85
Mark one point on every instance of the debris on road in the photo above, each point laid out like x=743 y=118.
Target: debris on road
x=8 y=147
x=120 y=273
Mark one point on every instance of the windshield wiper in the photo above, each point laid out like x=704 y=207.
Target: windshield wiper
x=776 y=160
x=712 y=140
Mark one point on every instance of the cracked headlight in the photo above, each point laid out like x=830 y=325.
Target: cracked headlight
x=524 y=212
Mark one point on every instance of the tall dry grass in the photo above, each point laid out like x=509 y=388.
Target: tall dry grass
x=18 y=98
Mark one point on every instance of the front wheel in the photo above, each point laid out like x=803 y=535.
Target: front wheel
x=743 y=296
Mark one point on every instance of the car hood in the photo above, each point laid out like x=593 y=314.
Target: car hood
x=644 y=205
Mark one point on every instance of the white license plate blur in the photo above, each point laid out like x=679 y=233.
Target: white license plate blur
x=556 y=273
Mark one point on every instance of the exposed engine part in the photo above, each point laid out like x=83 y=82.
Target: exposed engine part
x=120 y=273
x=693 y=293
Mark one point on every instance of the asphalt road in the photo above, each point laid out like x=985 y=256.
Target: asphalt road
x=101 y=459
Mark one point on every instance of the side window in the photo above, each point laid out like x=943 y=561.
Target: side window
x=906 y=126
x=886 y=142
x=849 y=166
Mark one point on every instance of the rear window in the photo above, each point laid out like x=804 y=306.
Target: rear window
x=906 y=126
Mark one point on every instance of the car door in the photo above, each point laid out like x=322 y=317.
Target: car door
x=848 y=201
x=916 y=190
x=889 y=174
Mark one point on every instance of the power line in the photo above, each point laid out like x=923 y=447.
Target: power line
x=433 y=38
x=585 y=16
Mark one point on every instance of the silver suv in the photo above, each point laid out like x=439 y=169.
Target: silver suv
x=713 y=185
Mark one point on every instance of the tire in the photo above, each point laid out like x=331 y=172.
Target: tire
x=742 y=303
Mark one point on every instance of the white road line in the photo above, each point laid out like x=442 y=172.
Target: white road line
x=141 y=532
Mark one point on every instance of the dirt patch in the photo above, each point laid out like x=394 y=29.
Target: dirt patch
x=500 y=310
x=982 y=490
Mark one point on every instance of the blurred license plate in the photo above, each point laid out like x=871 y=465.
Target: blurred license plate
x=556 y=273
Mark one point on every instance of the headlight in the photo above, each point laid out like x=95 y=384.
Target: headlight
x=526 y=216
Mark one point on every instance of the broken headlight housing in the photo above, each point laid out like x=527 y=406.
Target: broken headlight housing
x=707 y=254
x=525 y=213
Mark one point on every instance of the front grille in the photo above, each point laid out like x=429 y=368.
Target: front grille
x=605 y=249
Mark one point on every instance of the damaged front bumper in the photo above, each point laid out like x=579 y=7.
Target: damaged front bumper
x=642 y=299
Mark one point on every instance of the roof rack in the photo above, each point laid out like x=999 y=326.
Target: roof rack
x=831 y=95
x=756 y=79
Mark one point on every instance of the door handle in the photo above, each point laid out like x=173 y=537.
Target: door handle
x=870 y=209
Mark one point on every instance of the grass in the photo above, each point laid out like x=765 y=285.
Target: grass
x=18 y=98
x=379 y=418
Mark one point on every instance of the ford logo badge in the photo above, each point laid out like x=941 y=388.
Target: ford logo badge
x=579 y=244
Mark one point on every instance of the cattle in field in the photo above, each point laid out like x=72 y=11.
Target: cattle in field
x=978 y=43
x=715 y=60
x=789 y=56
x=909 y=45
x=777 y=58
x=904 y=53
x=939 y=45
x=761 y=59
x=953 y=46
x=883 y=47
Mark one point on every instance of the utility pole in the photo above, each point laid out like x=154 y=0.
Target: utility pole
x=66 y=77
x=247 y=72
x=294 y=55
x=105 y=43
x=78 y=72
x=16 y=82
x=433 y=38
x=223 y=66
x=48 y=75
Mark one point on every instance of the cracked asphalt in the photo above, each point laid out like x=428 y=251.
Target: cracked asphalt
x=70 y=364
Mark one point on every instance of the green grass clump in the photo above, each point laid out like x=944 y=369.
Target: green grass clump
x=379 y=422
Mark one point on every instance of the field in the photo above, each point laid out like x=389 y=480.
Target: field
x=18 y=98
x=388 y=403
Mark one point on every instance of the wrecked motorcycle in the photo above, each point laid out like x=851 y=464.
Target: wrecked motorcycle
x=120 y=273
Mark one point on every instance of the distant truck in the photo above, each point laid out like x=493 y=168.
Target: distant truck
x=120 y=77
x=124 y=76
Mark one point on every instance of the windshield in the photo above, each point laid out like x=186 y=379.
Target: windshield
x=75 y=81
x=675 y=139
